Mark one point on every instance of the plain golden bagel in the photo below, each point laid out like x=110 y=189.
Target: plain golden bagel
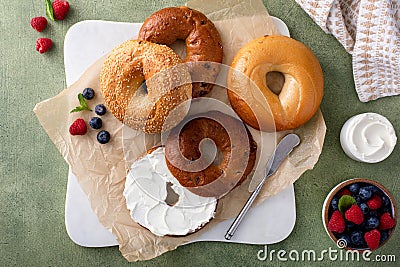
x=167 y=80
x=237 y=160
x=203 y=42
x=302 y=88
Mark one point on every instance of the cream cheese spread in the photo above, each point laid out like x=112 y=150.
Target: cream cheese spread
x=146 y=191
x=368 y=137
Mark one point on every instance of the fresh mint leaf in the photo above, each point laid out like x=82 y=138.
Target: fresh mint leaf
x=83 y=105
x=49 y=10
x=82 y=101
x=78 y=109
x=345 y=202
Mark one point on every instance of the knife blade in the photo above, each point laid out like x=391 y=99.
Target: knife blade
x=282 y=150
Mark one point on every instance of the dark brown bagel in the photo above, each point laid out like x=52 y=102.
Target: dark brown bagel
x=238 y=158
x=203 y=42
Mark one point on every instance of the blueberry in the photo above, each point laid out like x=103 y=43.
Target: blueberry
x=103 y=137
x=387 y=209
x=354 y=188
x=350 y=225
x=334 y=203
x=358 y=199
x=96 y=123
x=372 y=222
x=364 y=208
x=100 y=109
x=365 y=193
x=385 y=201
x=373 y=213
x=357 y=238
x=373 y=189
x=88 y=93
x=384 y=235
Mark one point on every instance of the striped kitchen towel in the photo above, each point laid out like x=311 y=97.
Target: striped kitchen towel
x=370 y=31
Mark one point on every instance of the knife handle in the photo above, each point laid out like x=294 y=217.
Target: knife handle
x=231 y=231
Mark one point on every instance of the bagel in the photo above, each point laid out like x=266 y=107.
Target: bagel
x=146 y=193
x=203 y=42
x=213 y=178
x=302 y=89
x=167 y=79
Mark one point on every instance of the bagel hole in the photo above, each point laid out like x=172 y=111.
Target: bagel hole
x=179 y=47
x=210 y=151
x=218 y=157
x=172 y=197
x=275 y=81
x=143 y=88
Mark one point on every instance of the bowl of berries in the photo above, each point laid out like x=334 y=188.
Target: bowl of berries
x=359 y=214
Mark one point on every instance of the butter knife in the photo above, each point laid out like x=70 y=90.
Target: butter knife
x=282 y=150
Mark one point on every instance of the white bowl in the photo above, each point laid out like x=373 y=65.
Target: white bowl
x=368 y=137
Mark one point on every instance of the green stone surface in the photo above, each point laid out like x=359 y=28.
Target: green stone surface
x=33 y=175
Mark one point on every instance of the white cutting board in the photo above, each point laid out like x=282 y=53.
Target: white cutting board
x=85 y=42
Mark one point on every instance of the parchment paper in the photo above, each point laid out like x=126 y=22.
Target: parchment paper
x=101 y=169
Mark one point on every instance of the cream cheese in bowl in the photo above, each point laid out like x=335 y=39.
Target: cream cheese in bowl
x=368 y=137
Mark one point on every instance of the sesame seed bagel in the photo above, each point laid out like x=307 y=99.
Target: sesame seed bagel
x=203 y=42
x=146 y=106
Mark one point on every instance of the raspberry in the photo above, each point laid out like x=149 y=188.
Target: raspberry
x=39 y=23
x=386 y=221
x=336 y=222
x=375 y=202
x=60 y=9
x=344 y=191
x=43 y=45
x=354 y=214
x=372 y=238
x=78 y=127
